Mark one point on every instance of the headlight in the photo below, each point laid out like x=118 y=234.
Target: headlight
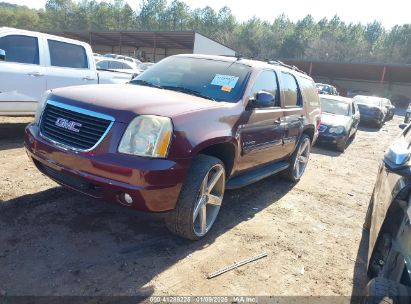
x=147 y=135
x=40 y=106
x=336 y=130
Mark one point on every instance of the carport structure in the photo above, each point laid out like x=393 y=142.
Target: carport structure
x=373 y=78
x=150 y=45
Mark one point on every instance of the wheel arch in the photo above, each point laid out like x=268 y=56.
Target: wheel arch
x=224 y=150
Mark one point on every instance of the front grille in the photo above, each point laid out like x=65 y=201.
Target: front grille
x=72 y=128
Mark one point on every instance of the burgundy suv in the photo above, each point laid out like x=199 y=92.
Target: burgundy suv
x=178 y=135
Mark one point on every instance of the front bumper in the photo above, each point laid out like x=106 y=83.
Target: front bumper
x=328 y=138
x=153 y=184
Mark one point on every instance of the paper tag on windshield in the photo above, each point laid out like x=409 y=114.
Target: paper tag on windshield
x=226 y=89
x=225 y=80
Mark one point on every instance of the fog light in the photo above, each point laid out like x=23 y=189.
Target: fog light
x=126 y=198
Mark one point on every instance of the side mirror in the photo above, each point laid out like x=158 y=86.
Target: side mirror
x=396 y=159
x=2 y=55
x=263 y=100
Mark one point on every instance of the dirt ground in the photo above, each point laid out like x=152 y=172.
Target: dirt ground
x=56 y=242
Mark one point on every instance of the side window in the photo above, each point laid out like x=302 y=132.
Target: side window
x=102 y=64
x=267 y=82
x=67 y=55
x=21 y=49
x=308 y=92
x=290 y=89
x=114 y=65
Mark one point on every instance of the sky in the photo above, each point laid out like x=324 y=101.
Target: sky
x=388 y=13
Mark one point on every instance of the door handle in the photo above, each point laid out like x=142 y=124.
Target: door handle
x=88 y=78
x=35 y=74
x=277 y=121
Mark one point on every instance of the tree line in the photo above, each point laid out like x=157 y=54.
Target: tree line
x=326 y=39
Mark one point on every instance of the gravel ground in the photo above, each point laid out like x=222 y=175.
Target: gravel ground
x=56 y=242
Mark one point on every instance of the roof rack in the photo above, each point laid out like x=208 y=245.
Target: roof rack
x=280 y=63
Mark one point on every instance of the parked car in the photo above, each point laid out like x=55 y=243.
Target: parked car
x=407 y=117
x=35 y=62
x=122 y=57
x=339 y=120
x=372 y=109
x=178 y=135
x=118 y=66
x=145 y=65
x=326 y=89
x=390 y=108
x=388 y=220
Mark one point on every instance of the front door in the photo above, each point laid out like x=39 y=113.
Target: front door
x=22 y=75
x=261 y=136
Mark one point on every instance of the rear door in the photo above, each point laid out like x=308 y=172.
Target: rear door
x=293 y=111
x=262 y=135
x=22 y=73
x=68 y=65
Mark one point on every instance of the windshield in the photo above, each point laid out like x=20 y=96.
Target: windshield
x=369 y=101
x=212 y=79
x=323 y=88
x=335 y=107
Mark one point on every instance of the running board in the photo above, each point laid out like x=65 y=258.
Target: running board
x=256 y=175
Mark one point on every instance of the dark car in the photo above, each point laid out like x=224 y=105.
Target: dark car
x=390 y=108
x=326 y=89
x=339 y=121
x=388 y=220
x=372 y=110
x=178 y=135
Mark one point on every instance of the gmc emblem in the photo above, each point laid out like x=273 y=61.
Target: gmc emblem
x=69 y=125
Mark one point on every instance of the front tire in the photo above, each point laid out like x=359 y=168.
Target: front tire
x=340 y=147
x=299 y=160
x=200 y=199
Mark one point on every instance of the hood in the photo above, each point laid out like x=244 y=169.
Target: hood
x=335 y=120
x=125 y=101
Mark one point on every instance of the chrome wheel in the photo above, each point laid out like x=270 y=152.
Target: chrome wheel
x=302 y=159
x=209 y=200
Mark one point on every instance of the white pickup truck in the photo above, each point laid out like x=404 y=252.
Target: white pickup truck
x=32 y=62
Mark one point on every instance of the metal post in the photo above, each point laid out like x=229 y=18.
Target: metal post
x=310 y=69
x=121 y=43
x=155 y=47
x=384 y=70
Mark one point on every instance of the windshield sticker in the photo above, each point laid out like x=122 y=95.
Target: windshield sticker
x=225 y=81
x=226 y=89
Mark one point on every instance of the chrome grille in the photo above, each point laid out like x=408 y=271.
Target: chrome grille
x=73 y=127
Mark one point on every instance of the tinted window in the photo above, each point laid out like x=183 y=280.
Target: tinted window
x=267 y=82
x=67 y=55
x=217 y=79
x=290 y=89
x=22 y=49
x=102 y=65
x=309 y=92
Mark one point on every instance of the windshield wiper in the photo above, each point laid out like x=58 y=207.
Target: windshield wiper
x=188 y=91
x=145 y=83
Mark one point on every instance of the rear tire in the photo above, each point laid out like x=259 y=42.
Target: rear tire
x=200 y=199
x=299 y=160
